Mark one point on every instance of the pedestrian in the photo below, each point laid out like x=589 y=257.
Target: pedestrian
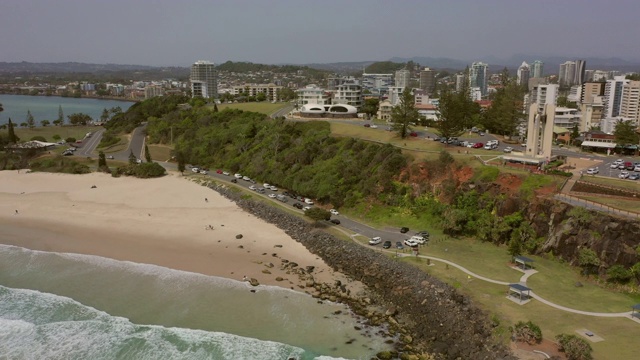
x=206 y=200
x=16 y=212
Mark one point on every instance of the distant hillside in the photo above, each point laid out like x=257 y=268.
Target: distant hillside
x=434 y=63
x=245 y=67
x=65 y=67
x=342 y=67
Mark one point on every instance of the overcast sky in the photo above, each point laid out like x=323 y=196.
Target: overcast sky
x=178 y=32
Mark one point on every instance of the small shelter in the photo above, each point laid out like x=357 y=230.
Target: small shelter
x=523 y=262
x=519 y=292
x=635 y=311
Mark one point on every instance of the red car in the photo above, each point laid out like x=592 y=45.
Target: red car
x=478 y=145
x=413 y=133
x=218 y=171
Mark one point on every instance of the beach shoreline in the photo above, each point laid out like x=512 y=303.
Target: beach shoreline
x=165 y=222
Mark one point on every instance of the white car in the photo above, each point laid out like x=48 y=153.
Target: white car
x=225 y=173
x=246 y=178
x=618 y=162
x=374 y=126
x=411 y=243
x=334 y=212
x=636 y=168
x=110 y=157
x=623 y=174
x=253 y=187
x=238 y=176
x=306 y=208
x=265 y=185
x=273 y=188
x=592 y=171
x=418 y=239
x=273 y=196
x=375 y=241
x=195 y=170
x=614 y=165
x=308 y=201
x=470 y=145
x=508 y=149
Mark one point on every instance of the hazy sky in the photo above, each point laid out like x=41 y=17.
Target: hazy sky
x=178 y=32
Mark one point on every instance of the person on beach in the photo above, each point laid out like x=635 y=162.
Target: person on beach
x=16 y=212
x=206 y=200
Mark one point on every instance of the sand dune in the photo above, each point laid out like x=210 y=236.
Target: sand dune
x=157 y=221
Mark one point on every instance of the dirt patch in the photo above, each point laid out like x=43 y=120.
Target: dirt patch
x=524 y=351
x=509 y=183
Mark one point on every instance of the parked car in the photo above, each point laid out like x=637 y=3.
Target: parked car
x=234 y=180
x=308 y=201
x=266 y=185
x=375 y=241
x=273 y=188
x=618 y=162
x=253 y=187
x=508 y=149
x=399 y=245
x=481 y=133
x=334 y=212
x=67 y=153
x=386 y=245
x=404 y=230
x=218 y=171
x=478 y=145
x=203 y=172
x=246 y=178
x=237 y=176
x=195 y=170
x=418 y=239
x=412 y=134
x=225 y=173
x=367 y=125
x=423 y=233
x=110 y=157
x=335 y=221
x=470 y=144
x=306 y=208
x=411 y=243
x=634 y=176
x=636 y=168
x=273 y=196
x=624 y=174
x=621 y=166
x=297 y=205
x=592 y=171
x=628 y=166
x=374 y=126
x=614 y=165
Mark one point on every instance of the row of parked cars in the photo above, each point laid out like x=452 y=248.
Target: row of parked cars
x=625 y=165
x=420 y=238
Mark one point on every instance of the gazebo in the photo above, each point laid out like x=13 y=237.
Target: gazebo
x=523 y=262
x=519 y=292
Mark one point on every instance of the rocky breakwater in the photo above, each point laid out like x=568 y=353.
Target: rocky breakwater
x=427 y=315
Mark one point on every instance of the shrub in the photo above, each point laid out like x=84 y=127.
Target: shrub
x=581 y=215
x=527 y=332
x=559 y=172
x=39 y=138
x=486 y=174
x=619 y=274
x=70 y=139
x=574 y=347
x=317 y=214
x=143 y=171
x=59 y=164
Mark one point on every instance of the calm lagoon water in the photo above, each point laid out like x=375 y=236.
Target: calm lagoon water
x=46 y=107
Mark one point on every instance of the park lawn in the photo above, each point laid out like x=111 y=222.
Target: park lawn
x=78 y=132
x=612 y=182
x=381 y=136
x=620 y=334
x=160 y=152
x=265 y=107
x=617 y=203
x=556 y=282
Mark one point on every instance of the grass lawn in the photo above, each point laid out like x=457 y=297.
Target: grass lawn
x=261 y=107
x=160 y=152
x=612 y=182
x=621 y=204
x=78 y=132
x=620 y=334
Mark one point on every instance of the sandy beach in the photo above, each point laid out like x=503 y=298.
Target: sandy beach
x=164 y=221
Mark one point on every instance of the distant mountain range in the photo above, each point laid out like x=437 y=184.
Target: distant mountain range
x=66 y=67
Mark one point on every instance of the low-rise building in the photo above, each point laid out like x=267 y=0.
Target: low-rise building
x=269 y=90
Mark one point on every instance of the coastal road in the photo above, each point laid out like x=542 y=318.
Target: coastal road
x=89 y=144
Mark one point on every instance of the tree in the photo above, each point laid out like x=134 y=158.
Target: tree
x=215 y=107
x=515 y=247
x=575 y=132
x=370 y=107
x=618 y=273
x=147 y=154
x=261 y=97
x=105 y=115
x=31 y=122
x=404 y=113
x=574 y=347
x=181 y=161
x=588 y=260
x=132 y=159
x=102 y=160
x=57 y=122
x=24 y=124
x=317 y=214
x=79 y=119
x=451 y=120
x=115 y=110
x=625 y=133
x=506 y=108
x=45 y=123
x=56 y=137
x=13 y=139
x=60 y=119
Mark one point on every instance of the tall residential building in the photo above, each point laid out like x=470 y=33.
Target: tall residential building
x=630 y=104
x=537 y=68
x=478 y=77
x=312 y=94
x=349 y=93
x=403 y=78
x=590 y=90
x=572 y=73
x=204 y=80
x=459 y=82
x=377 y=83
x=543 y=95
x=613 y=96
x=523 y=73
x=428 y=80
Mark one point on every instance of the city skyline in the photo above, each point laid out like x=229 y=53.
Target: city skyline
x=168 y=33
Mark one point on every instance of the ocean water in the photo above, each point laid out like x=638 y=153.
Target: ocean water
x=69 y=306
x=46 y=107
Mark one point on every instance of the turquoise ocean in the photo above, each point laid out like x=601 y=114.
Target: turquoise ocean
x=70 y=306
x=46 y=107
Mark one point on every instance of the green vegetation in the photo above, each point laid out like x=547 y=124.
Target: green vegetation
x=527 y=332
x=625 y=133
x=266 y=108
x=244 y=67
x=611 y=182
x=59 y=164
x=384 y=67
x=144 y=170
x=49 y=132
x=574 y=347
x=486 y=174
x=533 y=182
x=403 y=114
x=317 y=214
